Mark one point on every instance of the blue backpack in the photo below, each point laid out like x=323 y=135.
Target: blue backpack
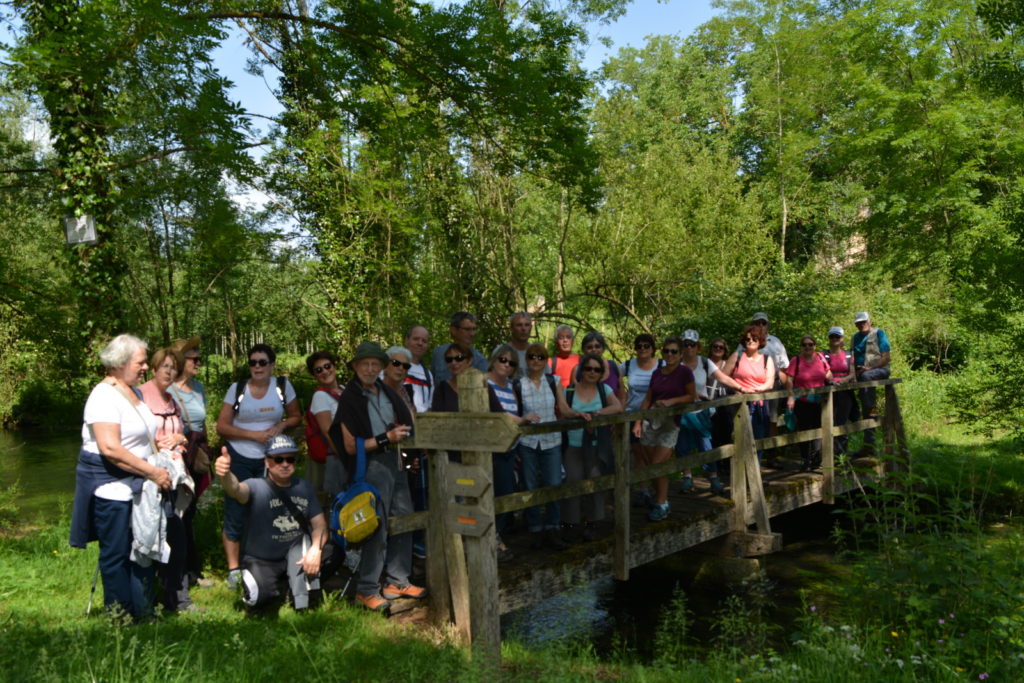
x=358 y=510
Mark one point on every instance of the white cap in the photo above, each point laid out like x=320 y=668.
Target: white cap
x=836 y=331
x=861 y=317
x=691 y=335
x=760 y=315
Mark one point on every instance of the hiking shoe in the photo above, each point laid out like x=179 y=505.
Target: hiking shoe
x=393 y=592
x=659 y=512
x=374 y=603
x=234 y=578
x=643 y=498
x=716 y=486
x=687 y=485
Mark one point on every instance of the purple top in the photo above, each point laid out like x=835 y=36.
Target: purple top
x=671 y=385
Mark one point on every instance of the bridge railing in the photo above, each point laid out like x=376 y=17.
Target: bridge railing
x=461 y=564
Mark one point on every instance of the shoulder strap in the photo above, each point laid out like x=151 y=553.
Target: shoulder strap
x=292 y=508
x=553 y=365
x=796 y=370
x=603 y=394
x=239 y=393
x=551 y=385
x=517 y=389
x=625 y=369
x=360 y=474
x=570 y=394
x=281 y=393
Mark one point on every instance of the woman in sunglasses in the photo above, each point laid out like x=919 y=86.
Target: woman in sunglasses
x=457 y=358
x=396 y=370
x=594 y=343
x=582 y=457
x=754 y=372
x=503 y=366
x=673 y=384
x=325 y=469
x=637 y=373
x=254 y=411
x=807 y=370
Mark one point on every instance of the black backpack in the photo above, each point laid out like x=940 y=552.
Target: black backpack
x=240 y=393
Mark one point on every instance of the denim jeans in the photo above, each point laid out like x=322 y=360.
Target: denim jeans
x=542 y=467
x=759 y=421
x=868 y=398
x=504 y=482
x=125 y=584
x=692 y=440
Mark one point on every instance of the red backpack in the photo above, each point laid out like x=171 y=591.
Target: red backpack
x=316 y=444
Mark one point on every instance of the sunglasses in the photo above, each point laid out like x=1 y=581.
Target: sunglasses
x=323 y=368
x=509 y=362
x=593 y=347
x=454 y=359
x=717 y=347
x=669 y=352
x=262 y=362
x=278 y=459
x=395 y=363
x=535 y=356
x=591 y=368
x=689 y=344
x=195 y=359
x=641 y=346
x=807 y=345
x=750 y=340
x=760 y=322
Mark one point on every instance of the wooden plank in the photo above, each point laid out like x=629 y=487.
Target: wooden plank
x=828 y=461
x=481 y=555
x=811 y=434
x=455 y=559
x=467 y=480
x=738 y=544
x=623 y=463
x=403 y=524
x=476 y=431
x=743 y=442
x=438 y=588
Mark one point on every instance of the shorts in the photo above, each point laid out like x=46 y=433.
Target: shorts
x=660 y=432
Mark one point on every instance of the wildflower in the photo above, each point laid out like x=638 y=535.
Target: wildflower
x=814 y=608
x=894 y=634
x=959 y=669
x=952 y=616
x=982 y=676
x=942 y=621
x=940 y=640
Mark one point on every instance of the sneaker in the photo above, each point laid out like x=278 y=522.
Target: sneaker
x=419 y=550
x=643 y=498
x=393 y=592
x=234 y=578
x=716 y=486
x=374 y=603
x=659 y=512
x=687 y=485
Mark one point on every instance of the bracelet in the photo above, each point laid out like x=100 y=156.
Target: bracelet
x=382 y=440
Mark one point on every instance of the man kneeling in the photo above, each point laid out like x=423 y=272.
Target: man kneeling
x=285 y=527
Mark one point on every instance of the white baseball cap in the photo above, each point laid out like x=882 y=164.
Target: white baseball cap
x=861 y=317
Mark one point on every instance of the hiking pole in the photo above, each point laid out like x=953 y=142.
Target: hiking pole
x=92 y=593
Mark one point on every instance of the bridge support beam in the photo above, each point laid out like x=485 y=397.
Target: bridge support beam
x=738 y=544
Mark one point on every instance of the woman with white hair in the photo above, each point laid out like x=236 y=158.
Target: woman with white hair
x=117 y=438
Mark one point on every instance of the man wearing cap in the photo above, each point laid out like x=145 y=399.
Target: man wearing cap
x=372 y=411
x=285 y=529
x=840 y=362
x=871 y=360
x=463 y=330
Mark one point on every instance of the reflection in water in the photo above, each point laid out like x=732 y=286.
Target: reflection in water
x=42 y=465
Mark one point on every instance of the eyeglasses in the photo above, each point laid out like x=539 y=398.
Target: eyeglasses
x=262 y=362
x=591 y=368
x=535 y=356
x=669 y=352
x=689 y=344
x=323 y=368
x=508 y=361
x=454 y=359
x=395 y=363
x=278 y=459
x=641 y=346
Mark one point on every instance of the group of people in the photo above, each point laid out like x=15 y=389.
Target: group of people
x=280 y=516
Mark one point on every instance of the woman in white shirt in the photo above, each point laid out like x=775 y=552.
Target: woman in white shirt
x=117 y=438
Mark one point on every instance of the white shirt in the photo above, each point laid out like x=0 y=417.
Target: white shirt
x=107 y=404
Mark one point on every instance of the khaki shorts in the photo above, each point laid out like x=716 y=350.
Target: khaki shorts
x=660 y=432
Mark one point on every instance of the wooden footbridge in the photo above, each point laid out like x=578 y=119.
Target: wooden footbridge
x=463 y=577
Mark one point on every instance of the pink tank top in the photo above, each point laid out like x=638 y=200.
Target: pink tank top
x=750 y=373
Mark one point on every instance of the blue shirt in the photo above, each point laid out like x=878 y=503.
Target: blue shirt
x=860 y=343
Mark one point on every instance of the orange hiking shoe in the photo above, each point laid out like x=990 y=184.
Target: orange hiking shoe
x=374 y=603
x=393 y=592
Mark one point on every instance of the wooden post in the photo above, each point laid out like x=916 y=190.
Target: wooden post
x=828 y=462
x=437 y=567
x=743 y=452
x=481 y=551
x=894 y=439
x=623 y=470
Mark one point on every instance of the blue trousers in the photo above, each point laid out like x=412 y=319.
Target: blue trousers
x=504 y=482
x=126 y=585
x=692 y=440
x=542 y=467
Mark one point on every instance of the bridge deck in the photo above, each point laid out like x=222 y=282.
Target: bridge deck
x=537 y=574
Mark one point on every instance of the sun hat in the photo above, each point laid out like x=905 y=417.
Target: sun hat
x=368 y=349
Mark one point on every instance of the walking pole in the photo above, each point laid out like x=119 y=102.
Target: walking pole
x=92 y=593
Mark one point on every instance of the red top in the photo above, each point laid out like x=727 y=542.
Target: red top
x=807 y=374
x=564 y=367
